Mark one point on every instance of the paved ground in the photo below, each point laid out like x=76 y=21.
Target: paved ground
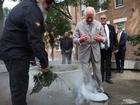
x=124 y=91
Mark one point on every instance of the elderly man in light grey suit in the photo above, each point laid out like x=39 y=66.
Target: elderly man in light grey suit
x=88 y=35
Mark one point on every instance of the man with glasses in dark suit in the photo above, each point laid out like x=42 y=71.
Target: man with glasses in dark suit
x=107 y=49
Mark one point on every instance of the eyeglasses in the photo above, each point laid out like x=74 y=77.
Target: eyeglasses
x=102 y=18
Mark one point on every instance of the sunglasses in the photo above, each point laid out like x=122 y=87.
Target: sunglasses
x=102 y=18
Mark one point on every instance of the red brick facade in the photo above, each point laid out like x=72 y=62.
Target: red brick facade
x=130 y=12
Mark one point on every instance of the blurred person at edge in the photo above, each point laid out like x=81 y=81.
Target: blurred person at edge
x=88 y=35
x=21 y=40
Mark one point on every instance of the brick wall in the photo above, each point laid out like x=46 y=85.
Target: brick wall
x=130 y=10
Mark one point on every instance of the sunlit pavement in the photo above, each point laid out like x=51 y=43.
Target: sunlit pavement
x=125 y=89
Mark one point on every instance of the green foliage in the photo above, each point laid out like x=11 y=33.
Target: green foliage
x=92 y=3
x=134 y=41
x=97 y=4
x=44 y=79
x=137 y=53
x=57 y=23
x=104 y=5
x=63 y=6
x=68 y=2
x=72 y=2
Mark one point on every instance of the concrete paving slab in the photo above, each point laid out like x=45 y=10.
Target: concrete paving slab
x=59 y=93
x=126 y=86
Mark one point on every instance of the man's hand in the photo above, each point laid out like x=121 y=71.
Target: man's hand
x=45 y=69
x=99 y=38
x=83 y=38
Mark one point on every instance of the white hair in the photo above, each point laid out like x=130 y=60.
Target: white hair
x=85 y=11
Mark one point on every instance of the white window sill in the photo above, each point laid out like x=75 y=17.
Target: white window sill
x=119 y=7
x=101 y=11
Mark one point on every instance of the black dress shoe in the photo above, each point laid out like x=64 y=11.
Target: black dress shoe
x=109 y=81
x=107 y=94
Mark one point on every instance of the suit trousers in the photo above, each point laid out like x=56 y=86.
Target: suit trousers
x=87 y=72
x=18 y=77
x=106 y=55
x=66 y=57
x=120 y=57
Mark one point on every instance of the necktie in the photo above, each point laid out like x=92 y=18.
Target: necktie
x=118 y=37
x=106 y=44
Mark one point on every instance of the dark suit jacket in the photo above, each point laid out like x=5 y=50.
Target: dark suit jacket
x=113 y=37
x=66 y=44
x=123 y=40
x=23 y=32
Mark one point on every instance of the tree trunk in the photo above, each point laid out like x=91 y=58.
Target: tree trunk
x=52 y=41
x=1 y=17
x=52 y=53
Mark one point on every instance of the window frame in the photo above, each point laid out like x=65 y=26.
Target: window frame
x=119 y=5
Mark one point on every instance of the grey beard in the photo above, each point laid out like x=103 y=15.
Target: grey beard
x=44 y=13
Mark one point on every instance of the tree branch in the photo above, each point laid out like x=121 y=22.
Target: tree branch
x=67 y=8
x=68 y=16
x=1 y=2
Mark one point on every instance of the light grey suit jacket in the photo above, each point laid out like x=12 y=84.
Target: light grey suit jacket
x=85 y=48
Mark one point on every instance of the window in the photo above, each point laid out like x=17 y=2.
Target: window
x=119 y=3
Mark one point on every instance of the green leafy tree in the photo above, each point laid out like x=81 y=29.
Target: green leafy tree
x=97 y=4
x=56 y=24
x=63 y=6
x=135 y=40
